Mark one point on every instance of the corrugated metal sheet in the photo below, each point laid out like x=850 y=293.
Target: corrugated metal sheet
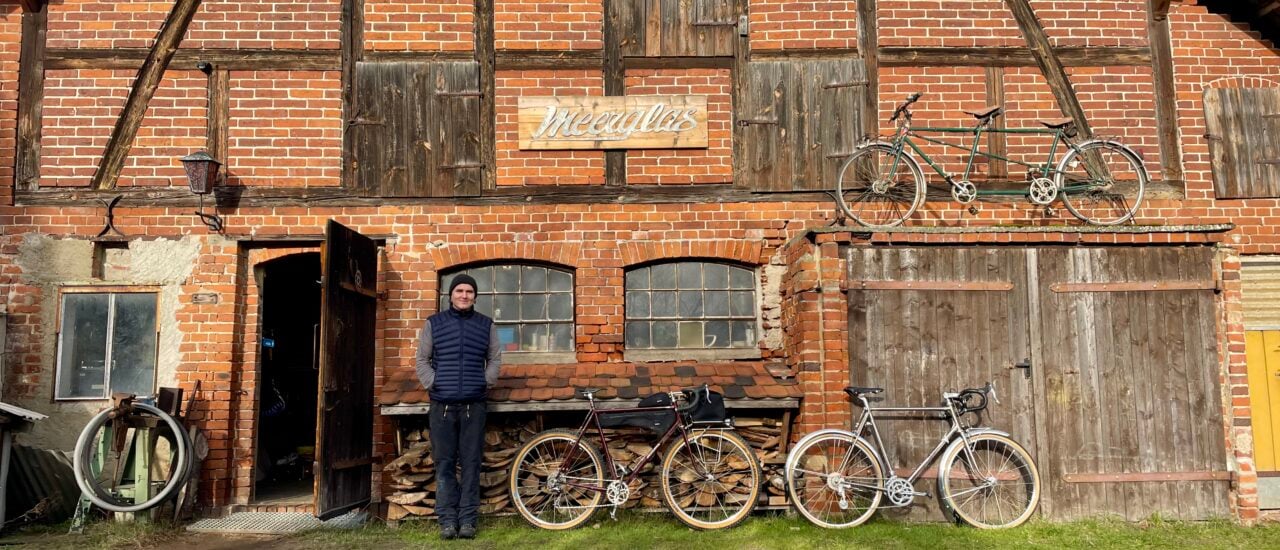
x=38 y=475
x=29 y=416
x=1260 y=289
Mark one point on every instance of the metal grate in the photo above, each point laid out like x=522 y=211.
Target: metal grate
x=275 y=523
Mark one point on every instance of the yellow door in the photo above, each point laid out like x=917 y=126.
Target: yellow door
x=1262 y=348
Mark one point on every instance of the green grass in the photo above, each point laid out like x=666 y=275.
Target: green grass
x=643 y=531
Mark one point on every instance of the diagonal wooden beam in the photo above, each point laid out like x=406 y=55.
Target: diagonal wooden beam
x=1160 y=9
x=144 y=87
x=1049 y=64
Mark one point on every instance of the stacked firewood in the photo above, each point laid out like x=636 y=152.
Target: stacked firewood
x=412 y=487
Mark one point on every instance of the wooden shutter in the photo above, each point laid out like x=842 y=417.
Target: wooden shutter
x=415 y=129
x=348 y=313
x=1244 y=141
x=796 y=122
x=676 y=28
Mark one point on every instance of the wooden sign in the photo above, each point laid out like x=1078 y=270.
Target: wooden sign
x=616 y=122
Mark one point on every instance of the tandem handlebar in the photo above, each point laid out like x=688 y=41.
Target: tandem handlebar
x=905 y=108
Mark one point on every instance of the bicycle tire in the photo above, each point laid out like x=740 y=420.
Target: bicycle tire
x=180 y=467
x=719 y=489
x=1087 y=191
x=532 y=498
x=898 y=200
x=957 y=477
x=810 y=480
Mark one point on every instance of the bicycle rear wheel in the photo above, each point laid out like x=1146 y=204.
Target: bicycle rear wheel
x=834 y=480
x=547 y=489
x=1102 y=182
x=991 y=483
x=880 y=187
x=711 y=480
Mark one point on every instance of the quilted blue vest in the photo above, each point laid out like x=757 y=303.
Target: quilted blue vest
x=461 y=345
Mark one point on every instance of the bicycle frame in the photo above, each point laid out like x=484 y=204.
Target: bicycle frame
x=867 y=421
x=1047 y=169
x=593 y=417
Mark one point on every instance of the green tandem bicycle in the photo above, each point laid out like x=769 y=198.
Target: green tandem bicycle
x=1099 y=181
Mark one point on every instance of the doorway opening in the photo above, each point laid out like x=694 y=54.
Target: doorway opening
x=288 y=382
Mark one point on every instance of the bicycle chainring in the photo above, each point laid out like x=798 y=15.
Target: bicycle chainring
x=618 y=492
x=899 y=491
x=1042 y=191
x=964 y=192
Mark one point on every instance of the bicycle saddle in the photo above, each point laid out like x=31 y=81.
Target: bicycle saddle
x=990 y=111
x=856 y=391
x=1056 y=123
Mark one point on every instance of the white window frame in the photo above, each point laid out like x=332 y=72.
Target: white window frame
x=111 y=291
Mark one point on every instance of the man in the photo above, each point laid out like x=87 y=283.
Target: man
x=458 y=359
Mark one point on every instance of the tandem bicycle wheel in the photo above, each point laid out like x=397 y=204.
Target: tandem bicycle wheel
x=1102 y=182
x=880 y=186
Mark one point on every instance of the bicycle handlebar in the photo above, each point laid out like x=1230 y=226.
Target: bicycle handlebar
x=690 y=397
x=905 y=108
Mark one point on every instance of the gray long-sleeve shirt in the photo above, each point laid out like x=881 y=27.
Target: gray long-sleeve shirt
x=425 y=361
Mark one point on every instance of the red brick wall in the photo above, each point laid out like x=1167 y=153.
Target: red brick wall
x=990 y=23
x=548 y=24
x=817 y=24
x=713 y=164
x=258 y=24
x=410 y=25
x=10 y=45
x=82 y=106
x=286 y=129
x=516 y=167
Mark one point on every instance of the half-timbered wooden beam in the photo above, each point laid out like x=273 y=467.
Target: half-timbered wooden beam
x=351 y=50
x=230 y=59
x=894 y=56
x=996 y=142
x=869 y=49
x=1166 y=100
x=615 y=84
x=32 y=6
x=30 y=98
x=217 y=134
x=1054 y=72
x=486 y=56
x=144 y=87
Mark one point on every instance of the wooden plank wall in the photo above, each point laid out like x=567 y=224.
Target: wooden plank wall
x=673 y=28
x=1244 y=141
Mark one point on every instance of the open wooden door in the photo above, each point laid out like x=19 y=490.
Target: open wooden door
x=344 y=438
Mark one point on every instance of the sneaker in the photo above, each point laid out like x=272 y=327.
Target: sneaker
x=449 y=532
x=467 y=531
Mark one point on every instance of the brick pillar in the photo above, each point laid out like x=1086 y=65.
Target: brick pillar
x=1237 y=414
x=815 y=331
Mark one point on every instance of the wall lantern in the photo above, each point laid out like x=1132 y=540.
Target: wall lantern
x=202 y=176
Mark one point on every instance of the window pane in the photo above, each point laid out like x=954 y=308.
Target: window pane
x=506 y=278
x=559 y=281
x=533 y=307
x=716 y=276
x=716 y=334
x=741 y=278
x=638 y=278
x=507 y=307
x=133 y=344
x=533 y=338
x=690 y=303
x=509 y=337
x=484 y=304
x=664 y=334
x=691 y=334
x=742 y=304
x=560 y=307
x=743 y=333
x=637 y=304
x=562 y=337
x=663 y=276
x=533 y=279
x=664 y=304
x=717 y=303
x=637 y=334
x=444 y=287
x=483 y=277
x=690 y=275
x=84 y=346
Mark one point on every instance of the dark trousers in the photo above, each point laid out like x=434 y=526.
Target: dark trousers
x=457 y=442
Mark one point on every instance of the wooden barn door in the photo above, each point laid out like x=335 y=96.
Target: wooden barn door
x=927 y=320
x=1104 y=359
x=348 y=308
x=1129 y=383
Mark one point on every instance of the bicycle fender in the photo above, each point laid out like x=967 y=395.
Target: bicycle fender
x=791 y=458
x=973 y=432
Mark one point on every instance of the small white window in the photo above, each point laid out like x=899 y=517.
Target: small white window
x=106 y=343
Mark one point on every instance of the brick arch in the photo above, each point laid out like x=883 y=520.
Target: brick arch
x=638 y=252
x=455 y=255
x=259 y=257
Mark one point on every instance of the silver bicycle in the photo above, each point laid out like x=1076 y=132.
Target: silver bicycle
x=837 y=478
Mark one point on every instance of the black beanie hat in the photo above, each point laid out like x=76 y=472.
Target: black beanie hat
x=463 y=279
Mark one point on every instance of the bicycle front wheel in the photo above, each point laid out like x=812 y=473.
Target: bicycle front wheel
x=711 y=480
x=550 y=479
x=991 y=483
x=1102 y=182
x=880 y=186
x=834 y=480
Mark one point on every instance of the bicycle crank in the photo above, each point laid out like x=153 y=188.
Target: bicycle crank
x=1042 y=191
x=963 y=191
x=900 y=492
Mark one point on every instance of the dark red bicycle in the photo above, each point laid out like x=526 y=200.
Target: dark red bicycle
x=709 y=475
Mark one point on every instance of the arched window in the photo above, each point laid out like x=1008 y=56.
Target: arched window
x=691 y=305
x=532 y=305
